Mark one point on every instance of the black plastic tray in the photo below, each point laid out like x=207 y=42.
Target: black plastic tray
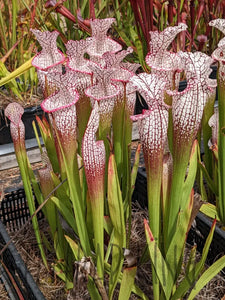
x=14 y=213
x=17 y=269
x=14 y=210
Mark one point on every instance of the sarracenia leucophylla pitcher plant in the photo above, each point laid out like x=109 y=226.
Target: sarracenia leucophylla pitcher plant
x=91 y=209
x=171 y=175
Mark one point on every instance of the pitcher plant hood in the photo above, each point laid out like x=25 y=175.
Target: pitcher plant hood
x=75 y=54
x=159 y=58
x=50 y=56
x=153 y=123
x=14 y=112
x=99 y=42
x=189 y=104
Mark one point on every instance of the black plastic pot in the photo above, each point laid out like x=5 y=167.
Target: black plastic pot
x=198 y=234
x=28 y=117
x=199 y=230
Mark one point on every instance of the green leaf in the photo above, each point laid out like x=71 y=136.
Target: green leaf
x=115 y=201
x=61 y=190
x=24 y=164
x=66 y=212
x=19 y=71
x=135 y=167
x=108 y=227
x=160 y=265
x=136 y=290
x=49 y=143
x=127 y=283
x=117 y=217
x=192 y=260
x=37 y=136
x=212 y=271
x=175 y=251
x=191 y=276
x=124 y=36
x=189 y=182
x=13 y=85
x=221 y=147
x=77 y=251
x=73 y=179
x=92 y=289
x=139 y=46
x=210 y=210
x=210 y=182
x=59 y=272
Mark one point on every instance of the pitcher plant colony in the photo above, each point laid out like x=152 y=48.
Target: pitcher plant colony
x=87 y=180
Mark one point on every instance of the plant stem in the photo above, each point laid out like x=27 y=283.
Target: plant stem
x=221 y=149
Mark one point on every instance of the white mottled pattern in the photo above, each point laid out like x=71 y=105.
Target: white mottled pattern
x=104 y=88
x=221 y=72
x=45 y=177
x=218 y=23
x=164 y=60
x=99 y=41
x=114 y=59
x=153 y=130
x=17 y=132
x=100 y=27
x=14 y=112
x=131 y=98
x=153 y=123
x=187 y=110
x=159 y=57
x=66 y=121
x=66 y=93
x=49 y=56
x=93 y=151
x=197 y=65
x=221 y=43
x=188 y=105
x=104 y=92
x=99 y=47
x=75 y=53
x=168 y=77
x=150 y=86
x=214 y=124
x=45 y=80
x=162 y=40
x=132 y=67
x=62 y=106
x=219 y=53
